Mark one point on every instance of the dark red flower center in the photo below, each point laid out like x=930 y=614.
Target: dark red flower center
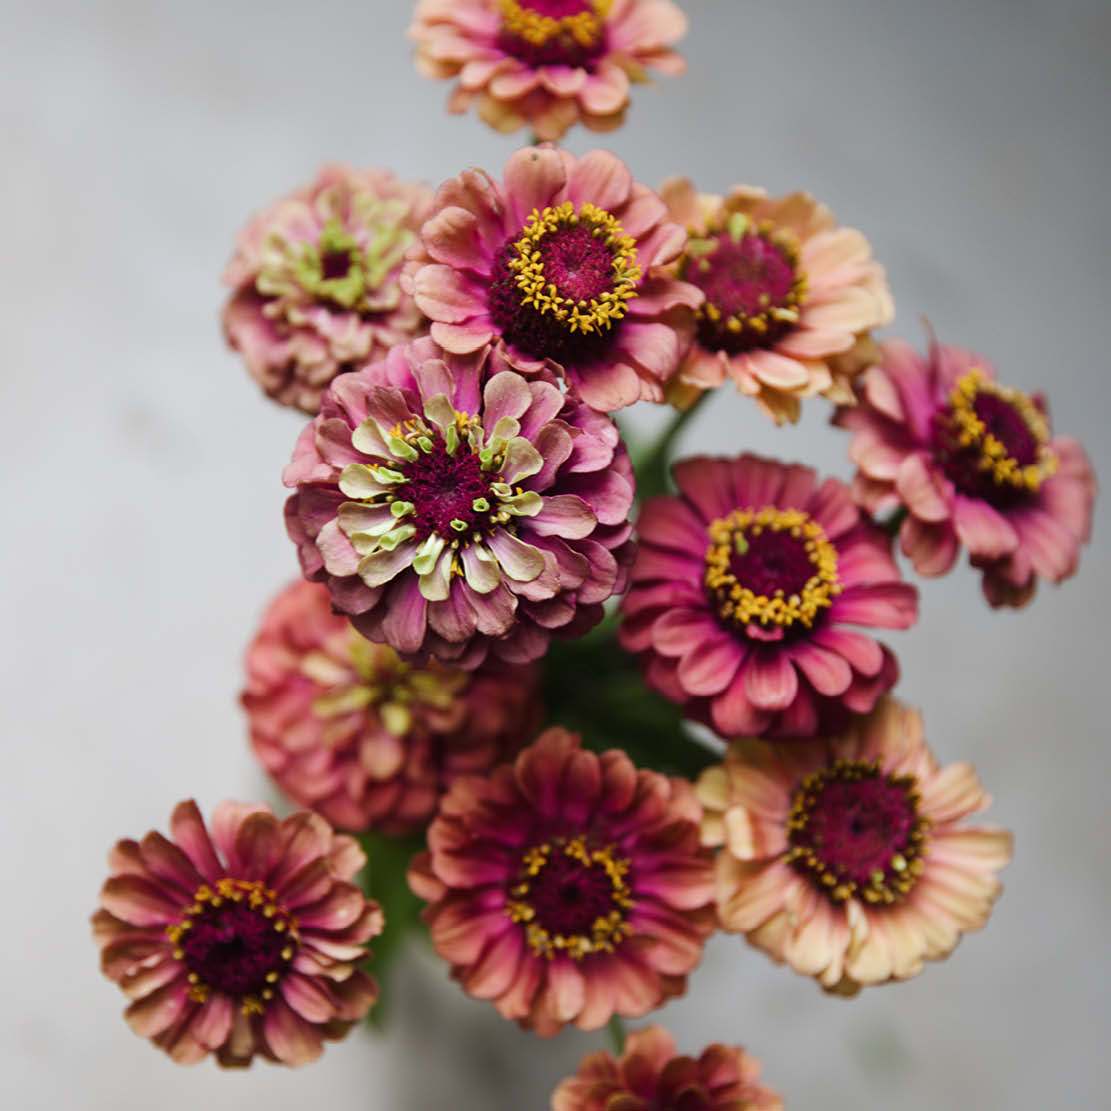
x=553 y=32
x=445 y=488
x=752 y=283
x=857 y=832
x=236 y=939
x=571 y=897
x=992 y=441
x=335 y=264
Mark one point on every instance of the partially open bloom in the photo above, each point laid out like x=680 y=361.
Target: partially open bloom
x=974 y=463
x=740 y=592
x=546 y=64
x=846 y=857
x=562 y=266
x=568 y=887
x=454 y=508
x=242 y=938
x=315 y=281
x=651 y=1075
x=790 y=298
x=349 y=729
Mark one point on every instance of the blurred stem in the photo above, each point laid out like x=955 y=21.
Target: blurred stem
x=652 y=470
x=893 y=523
x=616 y=1030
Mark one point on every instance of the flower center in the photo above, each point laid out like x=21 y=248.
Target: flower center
x=856 y=831
x=571 y=898
x=752 y=283
x=770 y=567
x=993 y=441
x=558 y=290
x=553 y=32
x=235 y=939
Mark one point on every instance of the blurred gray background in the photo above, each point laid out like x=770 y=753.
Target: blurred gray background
x=143 y=535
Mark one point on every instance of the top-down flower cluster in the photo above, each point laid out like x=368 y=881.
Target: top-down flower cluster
x=583 y=703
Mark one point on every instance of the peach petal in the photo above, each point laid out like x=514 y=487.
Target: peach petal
x=292 y=1040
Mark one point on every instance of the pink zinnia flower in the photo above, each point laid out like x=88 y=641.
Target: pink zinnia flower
x=455 y=509
x=369 y=741
x=547 y=64
x=315 y=281
x=742 y=587
x=790 y=298
x=243 y=940
x=562 y=266
x=652 y=1075
x=846 y=857
x=567 y=887
x=973 y=463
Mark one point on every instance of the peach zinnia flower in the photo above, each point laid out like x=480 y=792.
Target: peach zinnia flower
x=790 y=298
x=562 y=266
x=742 y=589
x=350 y=730
x=846 y=857
x=316 y=281
x=974 y=463
x=546 y=64
x=651 y=1075
x=567 y=887
x=243 y=940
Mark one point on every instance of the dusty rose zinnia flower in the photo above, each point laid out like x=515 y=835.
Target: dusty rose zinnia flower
x=567 y=887
x=790 y=298
x=456 y=509
x=238 y=939
x=315 y=281
x=651 y=1075
x=741 y=591
x=973 y=463
x=546 y=64
x=846 y=857
x=369 y=741
x=562 y=267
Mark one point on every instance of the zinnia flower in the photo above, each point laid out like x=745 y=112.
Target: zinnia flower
x=455 y=509
x=369 y=741
x=740 y=592
x=561 y=266
x=651 y=1075
x=846 y=857
x=547 y=64
x=315 y=281
x=243 y=940
x=790 y=298
x=973 y=463
x=567 y=887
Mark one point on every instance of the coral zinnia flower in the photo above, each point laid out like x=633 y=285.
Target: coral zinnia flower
x=369 y=741
x=562 y=266
x=740 y=591
x=651 y=1075
x=845 y=857
x=315 y=281
x=243 y=941
x=456 y=509
x=790 y=297
x=546 y=63
x=974 y=463
x=567 y=887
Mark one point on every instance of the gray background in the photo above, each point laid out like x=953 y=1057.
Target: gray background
x=142 y=498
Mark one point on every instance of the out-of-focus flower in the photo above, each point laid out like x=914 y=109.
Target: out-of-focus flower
x=846 y=857
x=790 y=298
x=740 y=592
x=241 y=938
x=546 y=64
x=567 y=887
x=973 y=463
x=651 y=1075
x=371 y=742
x=562 y=266
x=315 y=281
x=457 y=509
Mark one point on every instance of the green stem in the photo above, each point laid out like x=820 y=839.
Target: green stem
x=616 y=1030
x=653 y=468
x=893 y=523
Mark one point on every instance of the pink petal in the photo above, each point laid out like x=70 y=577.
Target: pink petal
x=771 y=682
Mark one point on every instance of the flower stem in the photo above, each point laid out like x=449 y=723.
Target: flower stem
x=893 y=523
x=616 y=1030
x=653 y=469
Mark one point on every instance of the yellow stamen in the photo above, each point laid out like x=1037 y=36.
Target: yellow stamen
x=583 y=28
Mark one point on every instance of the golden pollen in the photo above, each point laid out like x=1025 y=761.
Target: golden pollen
x=583 y=28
